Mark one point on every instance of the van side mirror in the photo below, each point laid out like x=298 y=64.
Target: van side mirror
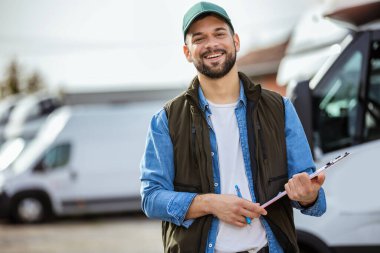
x=40 y=167
x=301 y=97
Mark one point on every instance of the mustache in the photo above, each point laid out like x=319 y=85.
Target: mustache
x=222 y=51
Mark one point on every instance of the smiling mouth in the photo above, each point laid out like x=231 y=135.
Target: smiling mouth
x=213 y=56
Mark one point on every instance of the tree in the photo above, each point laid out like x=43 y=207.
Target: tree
x=11 y=84
x=34 y=83
x=15 y=82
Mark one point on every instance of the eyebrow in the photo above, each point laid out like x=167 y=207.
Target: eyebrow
x=220 y=29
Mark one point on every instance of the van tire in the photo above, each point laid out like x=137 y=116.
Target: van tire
x=309 y=243
x=30 y=208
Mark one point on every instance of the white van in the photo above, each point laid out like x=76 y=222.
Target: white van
x=340 y=111
x=85 y=159
x=29 y=114
x=21 y=117
x=6 y=107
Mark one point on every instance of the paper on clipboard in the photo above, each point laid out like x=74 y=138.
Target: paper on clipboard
x=313 y=175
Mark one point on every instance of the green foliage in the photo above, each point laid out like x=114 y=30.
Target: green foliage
x=15 y=81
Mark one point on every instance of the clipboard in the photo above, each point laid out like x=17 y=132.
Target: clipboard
x=311 y=176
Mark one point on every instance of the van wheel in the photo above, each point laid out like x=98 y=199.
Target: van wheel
x=304 y=248
x=30 y=208
x=309 y=243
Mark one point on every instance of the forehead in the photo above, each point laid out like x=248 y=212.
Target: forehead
x=206 y=24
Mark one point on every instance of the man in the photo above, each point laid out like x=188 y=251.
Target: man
x=221 y=133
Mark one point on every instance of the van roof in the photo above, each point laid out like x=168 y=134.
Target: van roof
x=354 y=15
x=99 y=114
x=321 y=33
x=112 y=109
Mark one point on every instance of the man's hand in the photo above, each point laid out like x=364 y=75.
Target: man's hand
x=303 y=189
x=228 y=208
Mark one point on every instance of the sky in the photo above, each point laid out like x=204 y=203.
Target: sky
x=85 y=45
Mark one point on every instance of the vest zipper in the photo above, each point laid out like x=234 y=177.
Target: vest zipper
x=193 y=136
x=200 y=131
x=258 y=148
x=260 y=136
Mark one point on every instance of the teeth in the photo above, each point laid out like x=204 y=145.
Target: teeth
x=213 y=56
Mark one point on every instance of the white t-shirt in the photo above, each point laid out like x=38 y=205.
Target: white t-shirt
x=231 y=238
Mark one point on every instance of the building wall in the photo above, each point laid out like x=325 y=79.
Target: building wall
x=269 y=82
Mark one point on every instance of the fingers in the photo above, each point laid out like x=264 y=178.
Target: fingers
x=241 y=219
x=235 y=210
x=256 y=209
x=300 y=188
x=236 y=214
x=240 y=224
x=250 y=214
x=321 y=178
x=252 y=210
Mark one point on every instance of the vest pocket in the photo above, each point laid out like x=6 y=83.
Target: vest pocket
x=277 y=184
x=276 y=178
x=179 y=187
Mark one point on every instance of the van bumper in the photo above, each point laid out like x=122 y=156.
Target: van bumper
x=4 y=205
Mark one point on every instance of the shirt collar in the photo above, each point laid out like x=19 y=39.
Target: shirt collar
x=242 y=97
x=204 y=103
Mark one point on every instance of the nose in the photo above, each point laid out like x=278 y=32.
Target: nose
x=211 y=43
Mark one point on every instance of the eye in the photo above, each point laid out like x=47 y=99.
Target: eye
x=198 y=40
x=220 y=35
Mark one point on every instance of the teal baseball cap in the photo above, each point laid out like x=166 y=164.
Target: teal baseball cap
x=202 y=8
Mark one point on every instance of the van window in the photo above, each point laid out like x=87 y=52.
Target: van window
x=336 y=112
x=372 y=115
x=57 y=156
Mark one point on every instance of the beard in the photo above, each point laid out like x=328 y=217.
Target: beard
x=215 y=71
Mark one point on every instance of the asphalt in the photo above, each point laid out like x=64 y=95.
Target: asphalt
x=96 y=234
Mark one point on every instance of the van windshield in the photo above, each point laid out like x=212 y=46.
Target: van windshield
x=9 y=152
x=336 y=104
x=27 y=158
x=45 y=137
x=26 y=108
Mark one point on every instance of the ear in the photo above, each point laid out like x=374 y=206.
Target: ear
x=187 y=53
x=236 y=42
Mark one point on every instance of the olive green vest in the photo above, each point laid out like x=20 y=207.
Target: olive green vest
x=189 y=133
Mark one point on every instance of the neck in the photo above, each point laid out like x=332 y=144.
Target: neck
x=224 y=90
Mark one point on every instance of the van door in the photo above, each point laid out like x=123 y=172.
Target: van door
x=338 y=99
x=346 y=101
x=107 y=172
x=54 y=172
x=107 y=149
x=346 y=108
x=371 y=125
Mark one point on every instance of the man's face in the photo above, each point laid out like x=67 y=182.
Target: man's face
x=211 y=47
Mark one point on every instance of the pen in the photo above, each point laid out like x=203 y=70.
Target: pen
x=240 y=196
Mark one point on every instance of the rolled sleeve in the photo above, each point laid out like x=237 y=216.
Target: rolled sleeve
x=317 y=209
x=178 y=207
x=159 y=200
x=300 y=158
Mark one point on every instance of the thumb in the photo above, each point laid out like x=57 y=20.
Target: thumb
x=321 y=178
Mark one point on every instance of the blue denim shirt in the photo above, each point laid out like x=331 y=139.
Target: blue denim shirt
x=159 y=200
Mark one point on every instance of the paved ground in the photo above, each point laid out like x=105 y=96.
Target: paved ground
x=112 y=234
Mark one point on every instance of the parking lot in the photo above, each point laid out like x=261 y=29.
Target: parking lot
x=120 y=233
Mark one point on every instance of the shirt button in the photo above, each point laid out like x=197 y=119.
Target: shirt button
x=212 y=153
x=210 y=245
x=216 y=184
